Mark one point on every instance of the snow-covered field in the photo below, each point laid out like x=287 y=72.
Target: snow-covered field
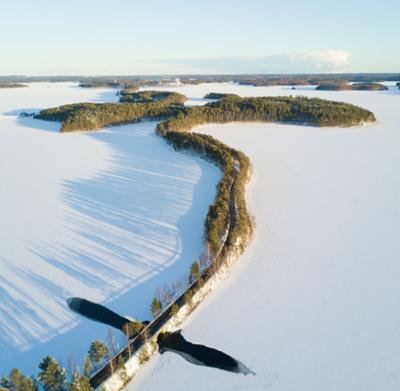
x=109 y=216
x=314 y=302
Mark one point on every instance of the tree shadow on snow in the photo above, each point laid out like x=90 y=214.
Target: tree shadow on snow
x=129 y=230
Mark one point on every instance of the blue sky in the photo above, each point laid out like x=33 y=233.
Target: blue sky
x=208 y=36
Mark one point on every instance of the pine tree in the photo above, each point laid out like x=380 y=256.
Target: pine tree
x=188 y=298
x=174 y=309
x=87 y=365
x=15 y=380
x=79 y=383
x=52 y=376
x=4 y=383
x=122 y=370
x=27 y=384
x=75 y=386
x=156 y=307
x=97 y=351
x=194 y=272
x=131 y=329
x=143 y=355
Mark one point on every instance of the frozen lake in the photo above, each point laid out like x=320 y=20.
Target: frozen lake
x=313 y=303
x=109 y=216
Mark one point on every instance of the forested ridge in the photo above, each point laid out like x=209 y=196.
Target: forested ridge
x=156 y=105
x=91 y=116
x=298 y=110
x=345 y=86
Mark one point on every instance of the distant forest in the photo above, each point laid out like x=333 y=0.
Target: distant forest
x=255 y=80
x=10 y=84
x=345 y=86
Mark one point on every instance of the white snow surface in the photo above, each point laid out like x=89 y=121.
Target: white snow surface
x=109 y=216
x=313 y=304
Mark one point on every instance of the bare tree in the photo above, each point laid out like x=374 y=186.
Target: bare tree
x=71 y=367
x=159 y=294
x=113 y=347
x=167 y=294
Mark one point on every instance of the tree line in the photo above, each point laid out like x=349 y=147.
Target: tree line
x=53 y=376
x=343 y=85
x=91 y=116
x=297 y=110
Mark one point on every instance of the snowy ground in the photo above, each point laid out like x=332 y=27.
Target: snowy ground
x=314 y=302
x=108 y=215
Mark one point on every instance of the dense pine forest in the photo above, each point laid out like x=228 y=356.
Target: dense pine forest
x=298 y=110
x=152 y=105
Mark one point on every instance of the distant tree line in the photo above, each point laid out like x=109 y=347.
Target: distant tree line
x=257 y=80
x=345 y=86
x=219 y=95
x=313 y=79
x=10 y=84
x=151 y=96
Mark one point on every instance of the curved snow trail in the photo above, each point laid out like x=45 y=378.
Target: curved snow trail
x=313 y=303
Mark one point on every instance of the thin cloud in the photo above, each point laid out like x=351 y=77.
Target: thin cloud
x=299 y=62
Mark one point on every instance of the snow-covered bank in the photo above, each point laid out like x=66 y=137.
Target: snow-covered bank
x=313 y=303
x=109 y=216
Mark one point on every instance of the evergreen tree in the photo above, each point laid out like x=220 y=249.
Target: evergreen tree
x=174 y=309
x=131 y=329
x=87 y=365
x=156 y=307
x=97 y=351
x=194 y=272
x=4 y=383
x=28 y=384
x=79 y=383
x=15 y=380
x=122 y=370
x=52 y=376
x=188 y=298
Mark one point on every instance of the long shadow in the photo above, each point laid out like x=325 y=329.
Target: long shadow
x=131 y=229
x=143 y=213
x=167 y=341
x=200 y=354
x=30 y=122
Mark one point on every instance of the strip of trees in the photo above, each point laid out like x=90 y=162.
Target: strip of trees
x=91 y=116
x=152 y=96
x=297 y=110
x=10 y=84
x=343 y=85
x=53 y=376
